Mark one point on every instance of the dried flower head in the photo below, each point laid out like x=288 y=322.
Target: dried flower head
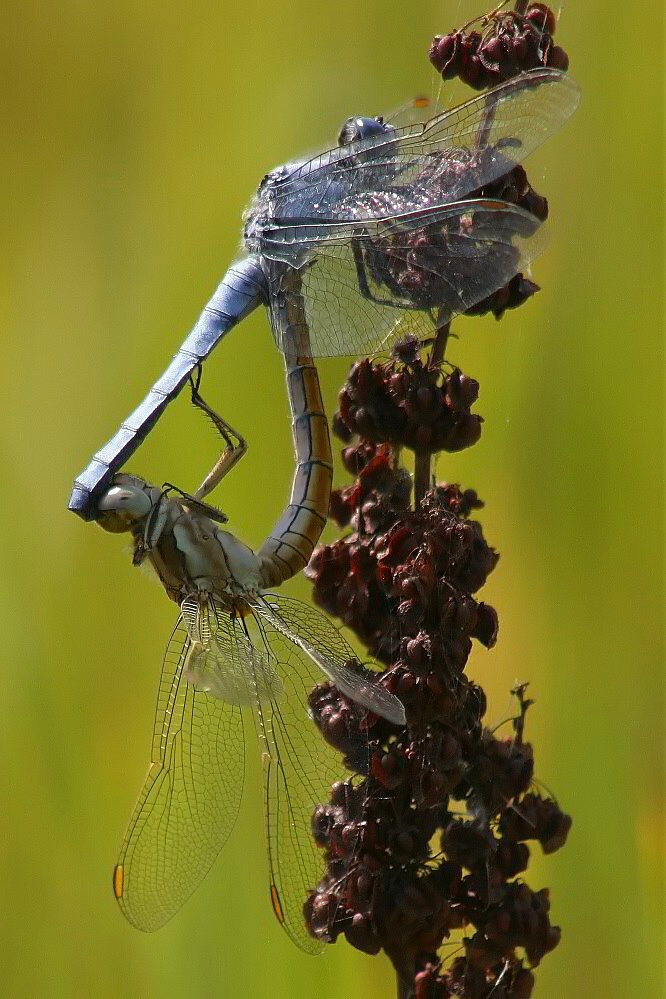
x=427 y=851
x=508 y=43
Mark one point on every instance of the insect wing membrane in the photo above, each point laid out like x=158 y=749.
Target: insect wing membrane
x=515 y=118
x=314 y=633
x=222 y=661
x=365 y=282
x=189 y=801
x=299 y=770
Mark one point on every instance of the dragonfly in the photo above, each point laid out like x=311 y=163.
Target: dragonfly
x=347 y=249
x=236 y=648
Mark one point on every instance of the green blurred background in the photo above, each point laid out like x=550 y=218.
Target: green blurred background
x=133 y=135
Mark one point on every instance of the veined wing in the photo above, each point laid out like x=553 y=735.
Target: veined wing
x=361 y=282
x=443 y=159
x=190 y=798
x=310 y=630
x=299 y=770
x=221 y=661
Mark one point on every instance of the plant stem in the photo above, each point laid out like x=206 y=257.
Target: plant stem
x=405 y=988
x=422 y=459
x=421 y=476
x=439 y=346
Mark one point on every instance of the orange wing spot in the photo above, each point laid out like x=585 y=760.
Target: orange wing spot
x=421 y=102
x=277 y=904
x=118 y=880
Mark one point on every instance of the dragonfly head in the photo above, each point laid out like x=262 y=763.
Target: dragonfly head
x=358 y=129
x=125 y=503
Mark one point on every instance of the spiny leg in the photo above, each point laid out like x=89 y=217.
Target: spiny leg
x=233 y=452
x=364 y=287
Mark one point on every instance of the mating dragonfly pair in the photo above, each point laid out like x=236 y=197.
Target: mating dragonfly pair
x=346 y=249
x=235 y=646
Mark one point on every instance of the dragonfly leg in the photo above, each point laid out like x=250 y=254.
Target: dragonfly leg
x=209 y=511
x=364 y=287
x=233 y=452
x=360 y=269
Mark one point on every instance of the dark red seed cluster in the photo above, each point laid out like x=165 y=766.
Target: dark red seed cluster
x=408 y=404
x=515 y=188
x=384 y=887
x=513 y=294
x=538 y=818
x=464 y=978
x=343 y=725
x=416 y=267
x=508 y=44
x=404 y=580
x=441 y=176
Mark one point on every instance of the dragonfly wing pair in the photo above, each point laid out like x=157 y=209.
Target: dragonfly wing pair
x=192 y=792
x=318 y=637
x=378 y=230
x=518 y=115
x=190 y=798
x=415 y=270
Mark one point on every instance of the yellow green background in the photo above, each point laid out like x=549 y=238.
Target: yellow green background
x=133 y=134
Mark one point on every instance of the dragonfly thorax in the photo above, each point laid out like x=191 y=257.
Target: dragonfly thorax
x=214 y=561
x=261 y=210
x=188 y=550
x=255 y=220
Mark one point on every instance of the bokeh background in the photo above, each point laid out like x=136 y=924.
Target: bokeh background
x=133 y=134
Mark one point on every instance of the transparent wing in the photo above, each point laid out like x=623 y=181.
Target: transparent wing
x=299 y=768
x=218 y=664
x=365 y=282
x=417 y=110
x=445 y=158
x=310 y=630
x=190 y=798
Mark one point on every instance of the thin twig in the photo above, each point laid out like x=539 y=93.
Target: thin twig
x=439 y=346
x=422 y=459
x=421 y=476
x=405 y=988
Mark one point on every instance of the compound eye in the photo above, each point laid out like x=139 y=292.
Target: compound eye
x=122 y=506
x=116 y=522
